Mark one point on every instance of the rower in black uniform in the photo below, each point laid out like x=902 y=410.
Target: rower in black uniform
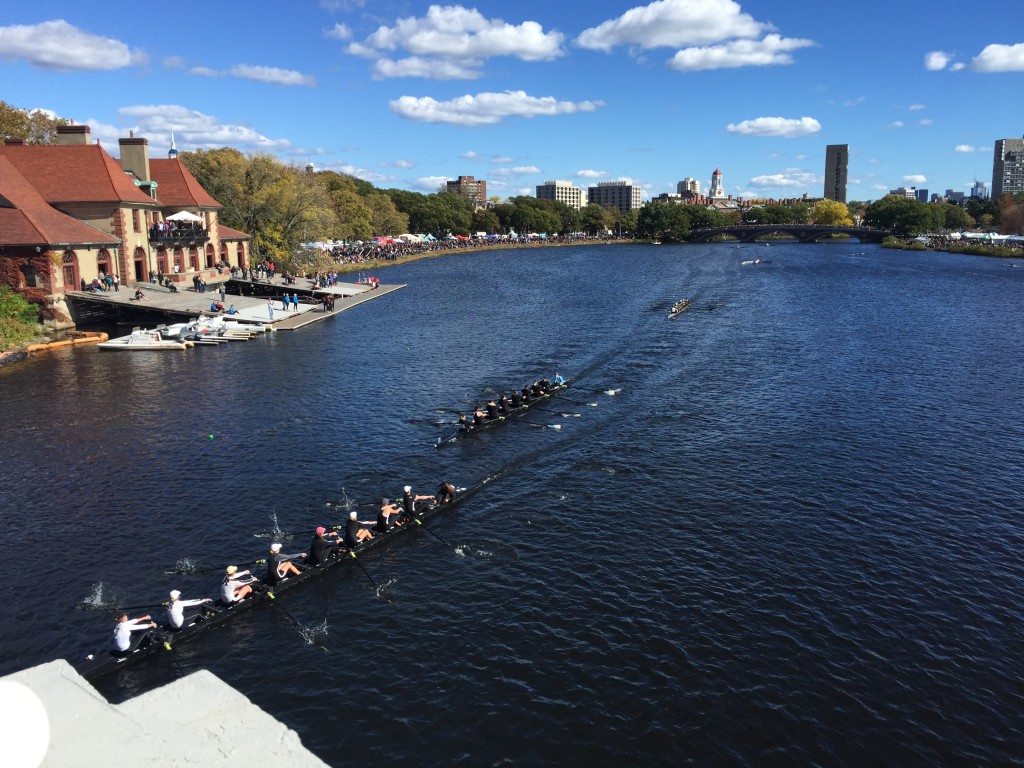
x=325 y=544
x=492 y=410
x=413 y=505
x=536 y=389
x=544 y=386
x=527 y=394
x=517 y=398
x=503 y=406
x=387 y=517
x=465 y=423
x=445 y=494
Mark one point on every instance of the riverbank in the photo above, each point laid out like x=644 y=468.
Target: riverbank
x=946 y=245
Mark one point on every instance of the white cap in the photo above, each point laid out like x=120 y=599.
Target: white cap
x=408 y=489
x=275 y=547
x=352 y=515
x=175 y=594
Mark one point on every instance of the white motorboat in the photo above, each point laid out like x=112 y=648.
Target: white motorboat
x=140 y=341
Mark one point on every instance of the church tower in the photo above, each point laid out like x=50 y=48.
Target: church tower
x=716 y=185
x=173 y=152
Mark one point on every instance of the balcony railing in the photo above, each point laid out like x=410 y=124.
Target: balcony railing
x=179 y=234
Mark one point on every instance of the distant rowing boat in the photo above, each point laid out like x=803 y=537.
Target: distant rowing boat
x=164 y=638
x=140 y=340
x=678 y=308
x=513 y=413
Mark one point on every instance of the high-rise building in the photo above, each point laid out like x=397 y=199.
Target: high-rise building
x=562 y=192
x=837 y=157
x=922 y=195
x=688 y=186
x=616 y=195
x=908 y=192
x=716 y=185
x=953 y=196
x=1008 y=168
x=470 y=188
x=980 y=190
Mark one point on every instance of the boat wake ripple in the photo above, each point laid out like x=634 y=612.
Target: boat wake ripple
x=486 y=549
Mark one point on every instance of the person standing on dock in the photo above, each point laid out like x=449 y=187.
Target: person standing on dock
x=270 y=309
x=223 y=293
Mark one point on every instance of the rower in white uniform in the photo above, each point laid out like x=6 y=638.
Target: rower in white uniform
x=176 y=609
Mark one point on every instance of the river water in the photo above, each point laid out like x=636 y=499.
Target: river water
x=792 y=536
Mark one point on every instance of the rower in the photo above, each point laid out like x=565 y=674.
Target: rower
x=324 y=545
x=517 y=398
x=544 y=386
x=176 y=609
x=535 y=388
x=465 y=423
x=280 y=566
x=558 y=380
x=527 y=394
x=355 y=535
x=237 y=586
x=410 y=502
x=492 y=409
x=478 y=417
x=123 y=640
x=503 y=405
x=387 y=517
x=445 y=494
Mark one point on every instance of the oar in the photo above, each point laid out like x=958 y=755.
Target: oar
x=212 y=570
x=609 y=392
x=373 y=581
x=578 y=402
x=559 y=413
x=539 y=426
x=435 y=535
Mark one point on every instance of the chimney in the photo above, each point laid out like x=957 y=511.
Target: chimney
x=73 y=135
x=14 y=142
x=135 y=157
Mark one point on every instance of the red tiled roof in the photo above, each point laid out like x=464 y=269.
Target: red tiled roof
x=32 y=221
x=227 y=233
x=177 y=186
x=81 y=173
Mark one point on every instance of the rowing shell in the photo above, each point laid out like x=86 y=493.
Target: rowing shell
x=164 y=638
x=512 y=414
x=678 y=308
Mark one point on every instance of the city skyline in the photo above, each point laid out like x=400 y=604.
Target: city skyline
x=409 y=95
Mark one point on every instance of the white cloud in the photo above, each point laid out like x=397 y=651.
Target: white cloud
x=174 y=62
x=772 y=50
x=957 y=67
x=106 y=134
x=925 y=121
x=936 y=60
x=776 y=126
x=967 y=148
x=498 y=160
x=430 y=183
x=398 y=164
x=853 y=102
x=342 y=5
x=589 y=174
x=453 y=42
x=895 y=124
x=519 y=170
x=360 y=173
x=880 y=187
x=195 y=129
x=469 y=154
x=271 y=75
x=338 y=32
x=674 y=23
x=916 y=107
x=790 y=178
x=999 y=58
x=61 y=47
x=485 y=108
x=426 y=68
x=801 y=157
x=915 y=178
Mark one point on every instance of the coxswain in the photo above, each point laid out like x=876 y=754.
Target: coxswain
x=176 y=609
x=503 y=405
x=492 y=409
x=387 y=517
x=445 y=494
x=237 y=586
x=354 y=534
x=410 y=502
x=324 y=545
x=517 y=398
x=123 y=640
x=280 y=566
x=558 y=380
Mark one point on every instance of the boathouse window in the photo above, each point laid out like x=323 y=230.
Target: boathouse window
x=103 y=262
x=209 y=256
x=32 y=277
x=69 y=265
x=135 y=220
x=193 y=259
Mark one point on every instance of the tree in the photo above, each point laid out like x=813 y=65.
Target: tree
x=773 y=213
x=33 y=127
x=832 y=213
x=667 y=222
x=594 y=219
x=385 y=218
x=949 y=216
x=486 y=221
x=905 y=217
x=1013 y=221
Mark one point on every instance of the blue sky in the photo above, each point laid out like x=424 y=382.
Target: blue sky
x=407 y=94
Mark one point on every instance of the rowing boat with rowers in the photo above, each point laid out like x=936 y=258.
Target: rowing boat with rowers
x=678 y=308
x=164 y=638
x=513 y=413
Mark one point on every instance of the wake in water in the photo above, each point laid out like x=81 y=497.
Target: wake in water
x=486 y=549
x=97 y=601
x=274 y=533
x=314 y=634
x=184 y=565
x=383 y=590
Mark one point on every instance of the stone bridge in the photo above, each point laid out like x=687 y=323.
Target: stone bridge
x=804 y=233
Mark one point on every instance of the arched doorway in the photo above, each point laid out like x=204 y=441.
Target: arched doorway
x=69 y=264
x=140 y=266
x=209 y=256
x=161 y=261
x=193 y=259
x=103 y=263
x=224 y=254
x=179 y=261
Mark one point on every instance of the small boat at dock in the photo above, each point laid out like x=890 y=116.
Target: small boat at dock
x=143 y=341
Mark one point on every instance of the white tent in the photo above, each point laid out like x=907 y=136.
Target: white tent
x=184 y=216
